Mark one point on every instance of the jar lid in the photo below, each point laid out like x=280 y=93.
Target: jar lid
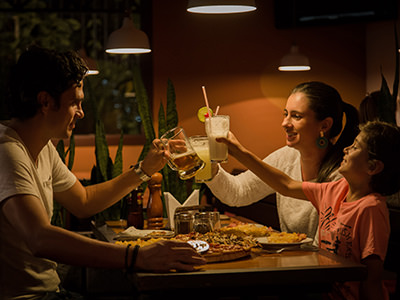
x=183 y=215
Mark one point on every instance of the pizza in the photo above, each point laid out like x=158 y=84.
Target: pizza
x=222 y=246
x=229 y=243
x=245 y=229
x=285 y=237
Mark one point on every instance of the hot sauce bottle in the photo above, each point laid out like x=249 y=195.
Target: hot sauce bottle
x=135 y=209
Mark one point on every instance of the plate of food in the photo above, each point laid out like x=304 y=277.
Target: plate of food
x=133 y=233
x=221 y=247
x=283 y=240
x=199 y=245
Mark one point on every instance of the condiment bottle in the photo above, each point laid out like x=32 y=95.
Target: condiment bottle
x=135 y=209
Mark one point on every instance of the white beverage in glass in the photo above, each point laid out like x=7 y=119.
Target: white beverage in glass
x=217 y=126
x=200 y=145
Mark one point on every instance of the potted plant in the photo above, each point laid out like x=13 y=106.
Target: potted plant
x=167 y=119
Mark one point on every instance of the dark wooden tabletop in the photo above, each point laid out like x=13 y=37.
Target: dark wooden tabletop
x=296 y=268
x=296 y=271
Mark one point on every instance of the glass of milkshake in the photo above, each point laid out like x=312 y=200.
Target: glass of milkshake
x=217 y=126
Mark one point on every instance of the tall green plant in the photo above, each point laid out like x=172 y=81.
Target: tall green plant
x=105 y=169
x=166 y=120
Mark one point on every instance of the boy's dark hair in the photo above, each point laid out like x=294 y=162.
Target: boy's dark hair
x=40 y=69
x=325 y=101
x=383 y=143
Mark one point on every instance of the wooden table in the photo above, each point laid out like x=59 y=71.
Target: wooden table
x=293 y=273
x=290 y=272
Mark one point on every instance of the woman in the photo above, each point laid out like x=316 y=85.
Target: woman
x=313 y=122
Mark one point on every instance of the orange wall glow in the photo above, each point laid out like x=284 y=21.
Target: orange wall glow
x=236 y=57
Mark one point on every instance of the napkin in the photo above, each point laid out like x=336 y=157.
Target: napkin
x=133 y=233
x=172 y=204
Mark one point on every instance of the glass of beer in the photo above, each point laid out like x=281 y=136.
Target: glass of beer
x=217 y=126
x=183 y=157
x=201 y=146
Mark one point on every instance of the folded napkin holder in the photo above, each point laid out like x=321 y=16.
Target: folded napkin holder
x=172 y=204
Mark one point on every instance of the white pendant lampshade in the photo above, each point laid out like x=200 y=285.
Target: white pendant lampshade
x=90 y=62
x=128 y=40
x=294 y=61
x=221 y=6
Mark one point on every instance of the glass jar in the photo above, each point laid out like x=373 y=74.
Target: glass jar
x=215 y=218
x=202 y=222
x=183 y=223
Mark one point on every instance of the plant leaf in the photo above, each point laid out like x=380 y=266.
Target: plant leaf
x=144 y=110
x=172 y=113
x=61 y=149
x=101 y=150
x=387 y=106
x=71 y=150
x=117 y=168
x=162 y=125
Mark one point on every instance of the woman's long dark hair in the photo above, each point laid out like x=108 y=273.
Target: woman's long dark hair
x=325 y=101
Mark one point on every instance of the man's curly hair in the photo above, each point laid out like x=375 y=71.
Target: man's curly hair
x=39 y=69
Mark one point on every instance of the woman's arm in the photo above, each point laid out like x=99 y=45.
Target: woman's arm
x=276 y=179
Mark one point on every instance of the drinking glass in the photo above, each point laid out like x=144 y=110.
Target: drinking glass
x=200 y=144
x=215 y=219
x=217 y=126
x=183 y=157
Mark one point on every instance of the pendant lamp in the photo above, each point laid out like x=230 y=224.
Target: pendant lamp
x=294 y=61
x=128 y=40
x=90 y=62
x=221 y=6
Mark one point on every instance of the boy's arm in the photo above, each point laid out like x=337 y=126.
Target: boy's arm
x=275 y=178
x=371 y=288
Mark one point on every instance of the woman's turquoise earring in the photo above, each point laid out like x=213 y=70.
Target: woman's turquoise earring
x=322 y=141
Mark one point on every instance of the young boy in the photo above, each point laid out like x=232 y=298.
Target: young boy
x=353 y=217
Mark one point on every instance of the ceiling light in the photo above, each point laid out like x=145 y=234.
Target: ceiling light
x=128 y=40
x=221 y=6
x=90 y=62
x=294 y=61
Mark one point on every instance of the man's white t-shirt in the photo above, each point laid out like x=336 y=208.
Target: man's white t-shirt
x=21 y=273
